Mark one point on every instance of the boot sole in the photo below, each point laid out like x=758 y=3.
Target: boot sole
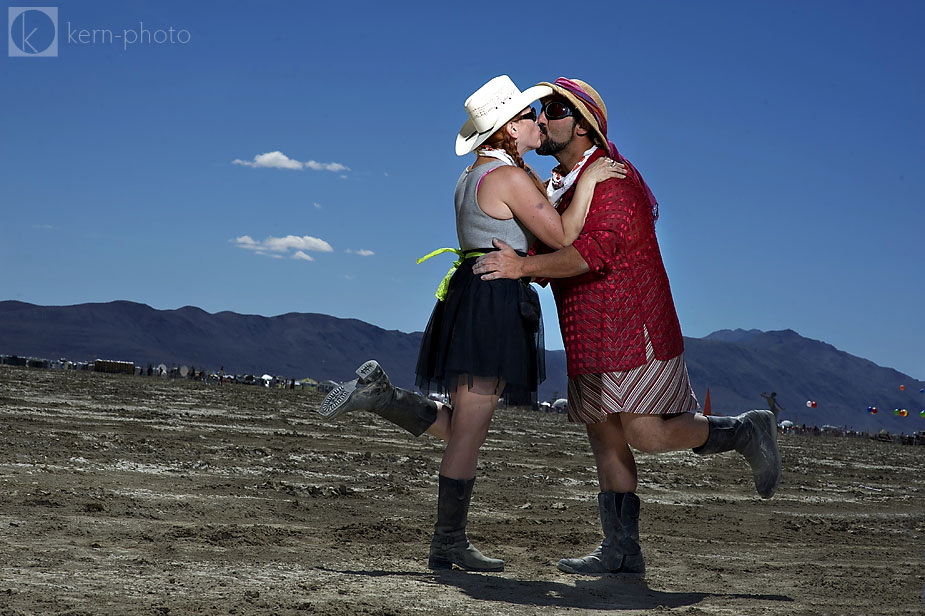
x=368 y=371
x=333 y=404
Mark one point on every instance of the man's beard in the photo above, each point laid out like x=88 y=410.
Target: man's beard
x=551 y=147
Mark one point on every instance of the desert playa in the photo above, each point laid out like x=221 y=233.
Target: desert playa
x=127 y=495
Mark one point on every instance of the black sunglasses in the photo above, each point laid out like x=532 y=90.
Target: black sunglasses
x=530 y=115
x=556 y=110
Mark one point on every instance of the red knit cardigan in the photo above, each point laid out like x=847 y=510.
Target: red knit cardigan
x=602 y=312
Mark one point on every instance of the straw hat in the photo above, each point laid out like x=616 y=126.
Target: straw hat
x=598 y=125
x=491 y=107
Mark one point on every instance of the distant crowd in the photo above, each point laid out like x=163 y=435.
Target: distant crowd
x=916 y=438
x=161 y=370
x=280 y=382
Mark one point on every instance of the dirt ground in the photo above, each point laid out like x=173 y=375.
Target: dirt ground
x=132 y=495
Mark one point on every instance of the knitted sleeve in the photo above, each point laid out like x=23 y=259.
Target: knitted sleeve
x=606 y=226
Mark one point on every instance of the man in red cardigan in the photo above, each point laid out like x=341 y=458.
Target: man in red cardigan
x=627 y=378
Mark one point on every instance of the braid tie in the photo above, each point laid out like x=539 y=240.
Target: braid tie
x=510 y=146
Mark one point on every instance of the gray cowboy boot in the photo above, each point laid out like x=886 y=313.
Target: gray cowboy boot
x=372 y=391
x=619 y=553
x=754 y=435
x=450 y=546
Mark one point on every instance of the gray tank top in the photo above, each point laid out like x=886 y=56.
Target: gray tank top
x=474 y=228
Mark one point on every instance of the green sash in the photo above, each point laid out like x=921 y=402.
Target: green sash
x=445 y=283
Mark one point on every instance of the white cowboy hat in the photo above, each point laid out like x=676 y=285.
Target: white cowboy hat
x=491 y=107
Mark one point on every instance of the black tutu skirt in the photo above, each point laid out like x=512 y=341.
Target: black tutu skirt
x=486 y=335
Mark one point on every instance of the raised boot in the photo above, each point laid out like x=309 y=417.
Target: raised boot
x=450 y=546
x=754 y=435
x=619 y=553
x=372 y=391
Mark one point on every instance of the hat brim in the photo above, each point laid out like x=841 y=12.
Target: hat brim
x=468 y=138
x=600 y=138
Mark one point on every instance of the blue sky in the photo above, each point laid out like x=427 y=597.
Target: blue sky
x=784 y=142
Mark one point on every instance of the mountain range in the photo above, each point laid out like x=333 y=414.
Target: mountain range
x=736 y=365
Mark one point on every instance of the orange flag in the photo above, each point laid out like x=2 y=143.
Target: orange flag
x=706 y=403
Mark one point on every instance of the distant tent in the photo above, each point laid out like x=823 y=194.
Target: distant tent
x=883 y=435
x=706 y=404
x=327 y=386
x=113 y=366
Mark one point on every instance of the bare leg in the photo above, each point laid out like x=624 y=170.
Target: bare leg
x=442 y=427
x=469 y=420
x=619 y=553
x=472 y=413
x=616 y=467
x=653 y=434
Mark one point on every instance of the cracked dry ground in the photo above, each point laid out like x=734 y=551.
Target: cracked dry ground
x=128 y=495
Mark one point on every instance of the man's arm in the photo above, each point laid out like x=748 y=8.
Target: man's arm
x=505 y=263
x=594 y=250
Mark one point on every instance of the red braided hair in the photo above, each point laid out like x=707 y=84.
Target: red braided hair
x=503 y=140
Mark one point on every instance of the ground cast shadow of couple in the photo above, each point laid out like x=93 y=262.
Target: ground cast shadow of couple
x=603 y=593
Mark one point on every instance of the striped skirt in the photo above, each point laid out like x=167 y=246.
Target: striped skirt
x=656 y=387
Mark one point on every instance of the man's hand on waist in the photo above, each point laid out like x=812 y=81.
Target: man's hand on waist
x=503 y=263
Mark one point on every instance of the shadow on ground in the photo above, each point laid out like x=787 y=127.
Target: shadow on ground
x=605 y=593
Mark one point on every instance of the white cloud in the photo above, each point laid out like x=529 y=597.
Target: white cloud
x=278 y=160
x=311 y=164
x=270 y=159
x=317 y=205
x=294 y=242
x=246 y=241
x=276 y=247
x=365 y=253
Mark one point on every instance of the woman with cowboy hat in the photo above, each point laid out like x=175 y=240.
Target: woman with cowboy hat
x=484 y=339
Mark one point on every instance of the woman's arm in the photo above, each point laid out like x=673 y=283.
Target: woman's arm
x=573 y=219
x=512 y=188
